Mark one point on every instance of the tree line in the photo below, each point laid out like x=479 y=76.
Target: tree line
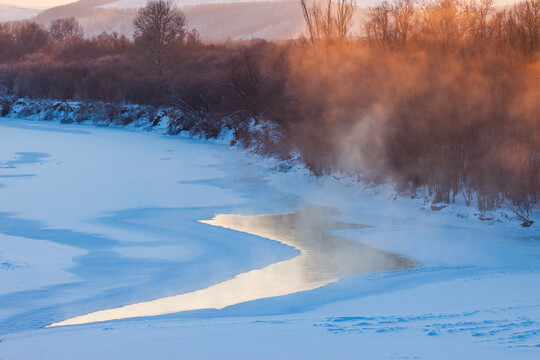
x=437 y=96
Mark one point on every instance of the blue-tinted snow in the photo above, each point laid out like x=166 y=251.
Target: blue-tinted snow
x=103 y=197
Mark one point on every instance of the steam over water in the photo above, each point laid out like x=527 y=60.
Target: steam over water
x=323 y=259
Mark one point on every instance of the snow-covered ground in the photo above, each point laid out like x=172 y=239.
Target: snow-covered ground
x=97 y=218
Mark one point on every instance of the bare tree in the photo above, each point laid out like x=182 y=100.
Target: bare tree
x=328 y=23
x=523 y=26
x=66 y=29
x=379 y=25
x=29 y=37
x=158 y=27
x=477 y=23
x=403 y=13
x=442 y=25
x=345 y=10
x=7 y=42
x=391 y=23
x=114 y=42
x=523 y=207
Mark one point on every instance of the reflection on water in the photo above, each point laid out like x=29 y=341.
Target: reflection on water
x=323 y=259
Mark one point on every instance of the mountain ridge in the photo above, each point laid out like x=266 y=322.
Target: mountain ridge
x=275 y=19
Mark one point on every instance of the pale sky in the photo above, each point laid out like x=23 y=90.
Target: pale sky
x=36 y=4
x=45 y=4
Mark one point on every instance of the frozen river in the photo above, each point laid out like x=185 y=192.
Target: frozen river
x=322 y=259
x=181 y=245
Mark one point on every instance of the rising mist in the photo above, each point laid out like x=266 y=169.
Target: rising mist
x=439 y=98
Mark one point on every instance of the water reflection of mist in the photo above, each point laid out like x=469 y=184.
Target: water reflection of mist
x=323 y=259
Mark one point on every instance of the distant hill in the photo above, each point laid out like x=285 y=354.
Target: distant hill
x=270 y=20
x=10 y=13
x=130 y=4
x=280 y=19
x=80 y=9
x=214 y=19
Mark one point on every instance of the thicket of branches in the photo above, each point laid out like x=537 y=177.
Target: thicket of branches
x=441 y=95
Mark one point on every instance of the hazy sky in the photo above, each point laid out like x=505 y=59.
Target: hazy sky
x=45 y=4
x=36 y=4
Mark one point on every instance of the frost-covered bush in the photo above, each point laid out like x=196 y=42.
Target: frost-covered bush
x=101 y=114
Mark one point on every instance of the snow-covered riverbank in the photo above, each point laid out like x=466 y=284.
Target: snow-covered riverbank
x=94 y=218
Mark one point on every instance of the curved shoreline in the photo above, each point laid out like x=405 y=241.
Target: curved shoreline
x=323 y=259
